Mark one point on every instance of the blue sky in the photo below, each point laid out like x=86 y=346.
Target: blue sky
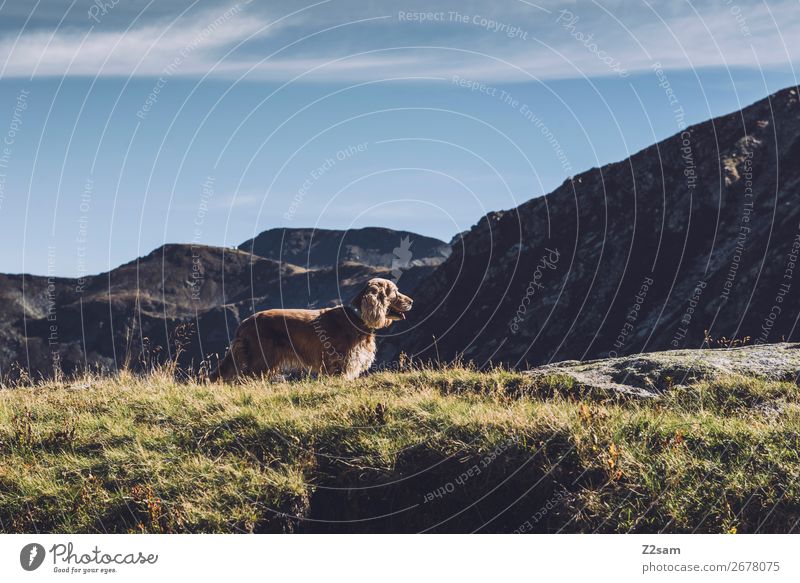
x=136 y=123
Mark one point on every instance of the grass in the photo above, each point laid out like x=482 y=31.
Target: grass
x=426 y=450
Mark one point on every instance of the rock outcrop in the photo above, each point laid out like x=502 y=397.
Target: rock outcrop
x=654 y=373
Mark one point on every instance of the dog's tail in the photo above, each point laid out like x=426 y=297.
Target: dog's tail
x=232 y=364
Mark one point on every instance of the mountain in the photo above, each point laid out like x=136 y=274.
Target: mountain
x=698 y=234
x=694 y=240
x=185 y=301
x=373 y=246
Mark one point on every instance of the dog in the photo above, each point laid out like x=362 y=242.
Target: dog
x=332 y=341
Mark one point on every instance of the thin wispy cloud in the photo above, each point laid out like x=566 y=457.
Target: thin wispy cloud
x=197 y=41
x=241 y=200
x=352 y=42
x=238 y=201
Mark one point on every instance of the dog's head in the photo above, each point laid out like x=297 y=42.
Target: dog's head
x=380 y=303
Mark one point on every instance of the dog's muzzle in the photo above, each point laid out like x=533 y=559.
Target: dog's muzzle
x=398 y=309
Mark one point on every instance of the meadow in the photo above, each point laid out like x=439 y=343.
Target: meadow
x=436 y=450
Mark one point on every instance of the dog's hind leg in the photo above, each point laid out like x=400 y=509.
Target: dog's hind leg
x=234 y=363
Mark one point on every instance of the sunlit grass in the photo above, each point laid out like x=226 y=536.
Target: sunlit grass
x=151 y=454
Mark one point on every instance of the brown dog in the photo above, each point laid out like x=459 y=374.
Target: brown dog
x=338 y=341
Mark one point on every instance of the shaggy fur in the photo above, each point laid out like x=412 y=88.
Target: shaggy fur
x=337 y=341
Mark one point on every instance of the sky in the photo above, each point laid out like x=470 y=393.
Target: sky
x=127 y=124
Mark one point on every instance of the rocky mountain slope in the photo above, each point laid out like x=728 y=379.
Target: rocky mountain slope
x=190 y=298
x=699 y=232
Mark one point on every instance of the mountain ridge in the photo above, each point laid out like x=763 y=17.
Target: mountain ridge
x=179 y=301
x=672 y=211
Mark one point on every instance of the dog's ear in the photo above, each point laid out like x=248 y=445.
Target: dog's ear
x=373 y=310
x=356 y=301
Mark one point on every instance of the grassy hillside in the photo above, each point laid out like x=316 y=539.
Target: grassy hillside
x=447 y=450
